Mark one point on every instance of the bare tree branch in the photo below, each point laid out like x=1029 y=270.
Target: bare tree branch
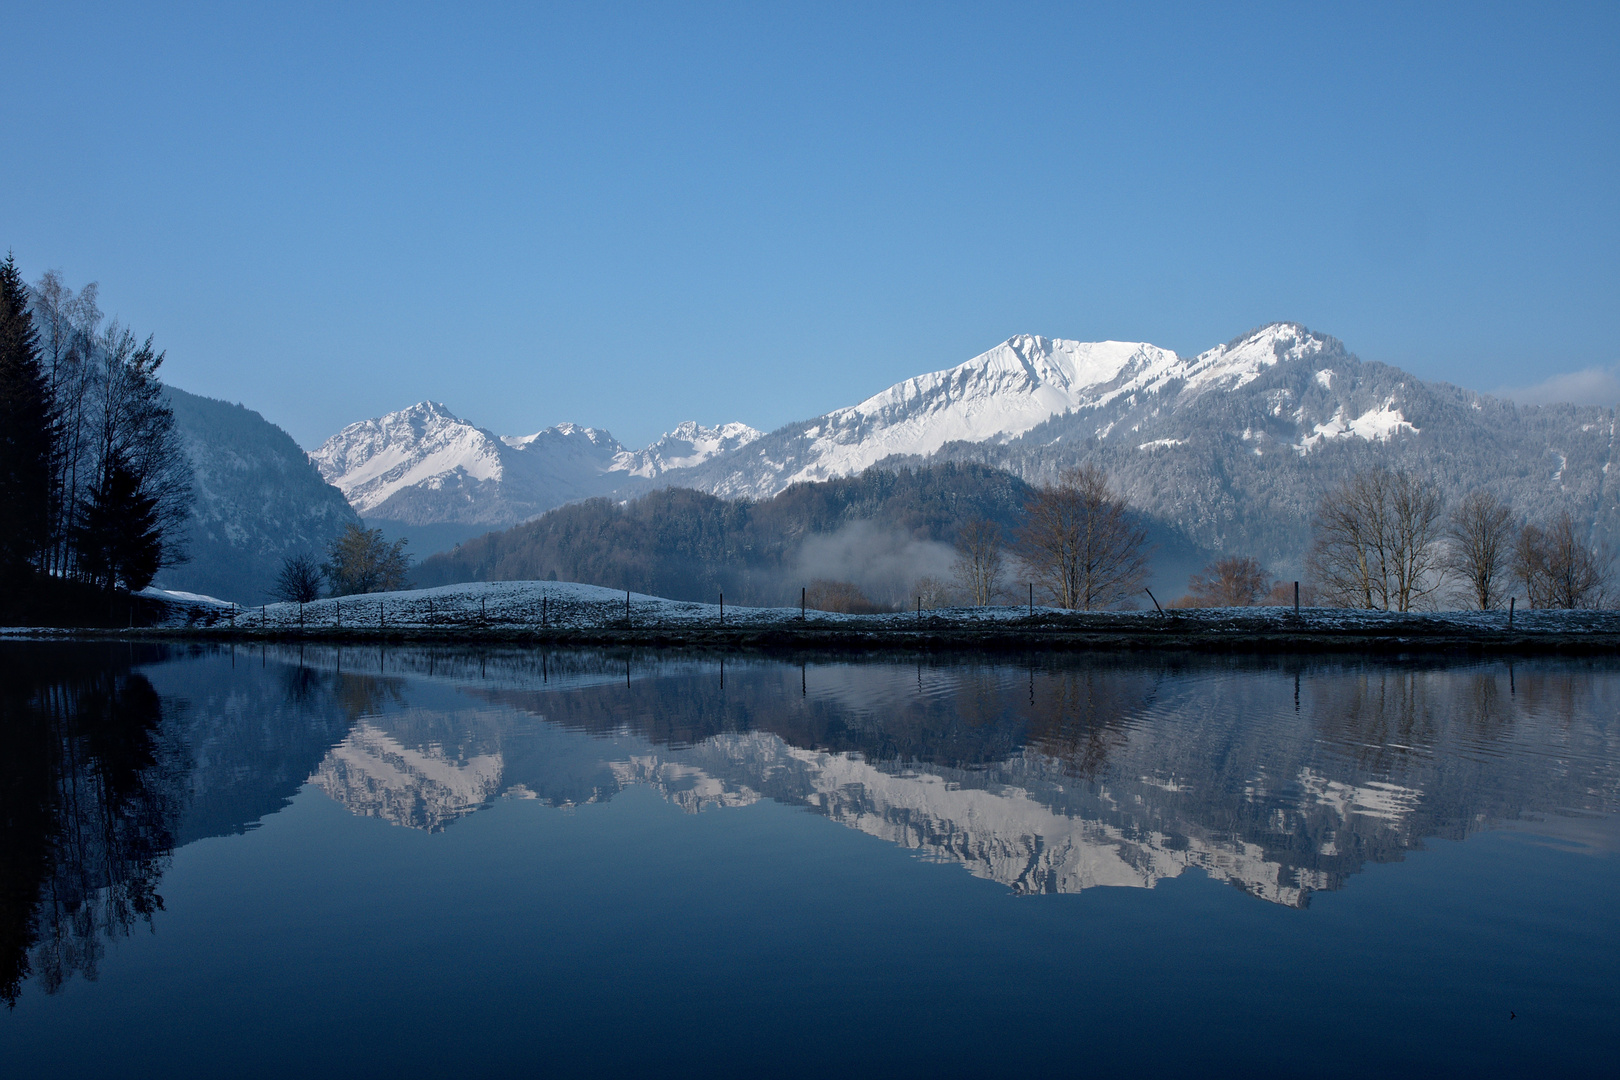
x=1083 y=545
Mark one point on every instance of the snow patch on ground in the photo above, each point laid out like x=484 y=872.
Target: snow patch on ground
x=560 y=605
x=177 y=597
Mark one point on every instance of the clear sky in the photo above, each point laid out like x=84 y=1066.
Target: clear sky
x=628 y=216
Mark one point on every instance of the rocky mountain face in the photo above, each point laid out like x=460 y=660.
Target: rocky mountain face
x=258 y=499
x=1228 y=451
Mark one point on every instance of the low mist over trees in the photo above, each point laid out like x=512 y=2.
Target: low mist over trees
x=878 y=532
x=839 y=596
x=94 y=486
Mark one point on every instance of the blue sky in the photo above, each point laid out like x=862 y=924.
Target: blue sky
x=628 y=216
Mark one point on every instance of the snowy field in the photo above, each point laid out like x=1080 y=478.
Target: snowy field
x=552 y=605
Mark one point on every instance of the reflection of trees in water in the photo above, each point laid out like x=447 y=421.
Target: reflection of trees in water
x=354 y=690
x=1378 y=716
x=91 y=794
x=1078 y=715
x=1299 y=772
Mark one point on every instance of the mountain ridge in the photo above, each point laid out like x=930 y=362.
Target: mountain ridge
x=424 y=465
x=1232 y=447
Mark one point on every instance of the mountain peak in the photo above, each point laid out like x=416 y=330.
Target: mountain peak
x=687 y=445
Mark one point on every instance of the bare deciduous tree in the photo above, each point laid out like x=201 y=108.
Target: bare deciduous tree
x=1558 y=570
x=1479 y=537
x=931 y=593
x=1082 y=542
x=299 y=581
x=1236 y=581
x=978 y=566
x=1376 y=541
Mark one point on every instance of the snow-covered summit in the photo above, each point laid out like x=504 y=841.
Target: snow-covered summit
x=1000 y=395
x=689 y=444
x=373 y=460
x=424 y=465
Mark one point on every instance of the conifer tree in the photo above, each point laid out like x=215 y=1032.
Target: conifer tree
x=26 y=432
x=120 y=536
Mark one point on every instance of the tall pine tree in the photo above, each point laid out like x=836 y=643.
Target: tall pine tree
x=26 y=431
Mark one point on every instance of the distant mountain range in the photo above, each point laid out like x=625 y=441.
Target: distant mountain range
x=1231 y=449
x=425 y=467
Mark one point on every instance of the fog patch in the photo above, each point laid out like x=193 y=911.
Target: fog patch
x=883 y=562
x=1593 y=386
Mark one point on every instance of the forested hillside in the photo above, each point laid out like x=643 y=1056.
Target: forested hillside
x=257 y=499
x=881 y=530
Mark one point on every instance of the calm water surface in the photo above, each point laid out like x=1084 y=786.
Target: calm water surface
x=416 y=862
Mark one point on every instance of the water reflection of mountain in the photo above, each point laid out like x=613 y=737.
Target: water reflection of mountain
x=1050 y=778
x=1055 y=777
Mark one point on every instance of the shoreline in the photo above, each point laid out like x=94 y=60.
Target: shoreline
x=1266 y=632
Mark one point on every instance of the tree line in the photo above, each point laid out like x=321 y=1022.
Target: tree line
x=1382 y=540
x=95 y=486
x=358 y=561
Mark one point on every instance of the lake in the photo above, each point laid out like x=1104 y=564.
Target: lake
x=407 y=861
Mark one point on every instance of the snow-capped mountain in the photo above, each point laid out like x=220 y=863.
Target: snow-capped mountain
x=998 y=396
x=690 y=444
x=1231 y=448
x=426 y=466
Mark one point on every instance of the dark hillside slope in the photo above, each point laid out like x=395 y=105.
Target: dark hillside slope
x=258 y=499
x=881 y=529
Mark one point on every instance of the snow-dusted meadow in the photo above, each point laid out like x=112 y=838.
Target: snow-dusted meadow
x=517 y=606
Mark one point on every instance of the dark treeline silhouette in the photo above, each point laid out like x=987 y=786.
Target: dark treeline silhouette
x=95 y=487
x=101 y=777
x=688 y=545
